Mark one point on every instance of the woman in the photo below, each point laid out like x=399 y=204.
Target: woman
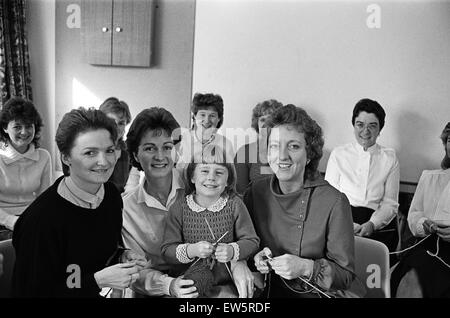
x=421 y=273
x=207 y=118
x=251 y=159
x=369 y=175
x=151 y=147
x=119 y=111
x=304 y=224
x=69 y=238
x=25 y=169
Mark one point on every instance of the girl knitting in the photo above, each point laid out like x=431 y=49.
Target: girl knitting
x=210 y=226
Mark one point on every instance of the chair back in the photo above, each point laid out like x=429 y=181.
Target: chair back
x=9 y=257
x=372 y=267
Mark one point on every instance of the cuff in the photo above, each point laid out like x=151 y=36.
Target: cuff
x=10 y=221
x=236 y=251
x=419 y=227
x=166 y=280
x=181 y=254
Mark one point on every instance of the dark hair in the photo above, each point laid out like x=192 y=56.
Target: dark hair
x=212 y=154
x=116 y=106
x=445 y=164
x=204 y=101
x=299 y=118
x=78 y=121
x=266 y=107
x=371 y=107
x=154 y=118
x=22 y=110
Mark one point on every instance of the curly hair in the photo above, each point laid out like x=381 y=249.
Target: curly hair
x=21 y=110
x=157 y=119
x=299 y=118
x=371 y=107
x=266 y=107
x=445 y=163
x=204 y=101
x=78 y=121
x=116 y=106
x=212 y=154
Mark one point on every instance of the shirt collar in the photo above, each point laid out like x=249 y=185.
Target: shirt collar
x=10 y=154
x=216 y=207
x=372 y=149
x=319 y=181
x=150 y=201
x=87 y=197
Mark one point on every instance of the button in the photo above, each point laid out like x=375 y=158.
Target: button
x=301 y=216
x=303 y=201
x=299 y=226
x=34 y=193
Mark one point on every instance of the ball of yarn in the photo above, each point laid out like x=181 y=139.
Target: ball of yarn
x=202 y=276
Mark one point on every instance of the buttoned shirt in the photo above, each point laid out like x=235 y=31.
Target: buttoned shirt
x=72 y=193
x=22 y=178
x=368 y=178
x=143 y=225
x=431 y=200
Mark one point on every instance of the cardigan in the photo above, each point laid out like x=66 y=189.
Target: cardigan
x=60 y=246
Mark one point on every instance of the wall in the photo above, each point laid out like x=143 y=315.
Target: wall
x=322 y=55
x=168 y=83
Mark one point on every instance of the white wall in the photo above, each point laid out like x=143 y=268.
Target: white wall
x=322 y=56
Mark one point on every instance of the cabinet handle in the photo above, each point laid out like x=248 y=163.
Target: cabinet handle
x=119 y=29
x=105 y=29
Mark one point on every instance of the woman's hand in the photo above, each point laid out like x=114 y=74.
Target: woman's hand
x=119 y=276
x=366 y=229
x=200 y=249
x=129 y=256
x=290 y=266
x=356 y=227
x=183 y=288
x=443 y=230
x=261 y=260
x=224 y=253
x=429 y=227
x=243 y=279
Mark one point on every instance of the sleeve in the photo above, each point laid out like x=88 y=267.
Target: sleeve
x=332 y=173
x=247 y=242
x=416 y=214
x=242 y=170
x=173 y=249
x=46 y=177
x=388 y=208
x=152 y=282
x=7 y=220
x=336 y=270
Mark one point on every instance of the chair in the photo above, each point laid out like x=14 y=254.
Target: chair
x=9 y=257
x=372 y=267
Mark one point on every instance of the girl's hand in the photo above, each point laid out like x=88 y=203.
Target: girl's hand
x=224 y=253
x=129 y=256
x=200 y=249
x=261 y=261
x=118 y=276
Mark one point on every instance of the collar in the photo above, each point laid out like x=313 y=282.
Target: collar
x=206 y=142
x=319 y=181
x=371 y=150
x=150 y=201
x=10 y=154
x=87 y=197
x=216 y=207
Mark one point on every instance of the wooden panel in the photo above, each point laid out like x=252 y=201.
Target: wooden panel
x=96 y=28
x=132 y=42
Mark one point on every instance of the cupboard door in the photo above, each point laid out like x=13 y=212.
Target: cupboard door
x=97 y=29
x=132 y=32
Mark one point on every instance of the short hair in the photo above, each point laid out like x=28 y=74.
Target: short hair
x=79 y=121
x=266 y=107
x=204 y=101
x=299 y=119
x=22 y=110
x=212 y=154
x=116 y=106
x=371 y=107
x=155 y=118
x=445 y=163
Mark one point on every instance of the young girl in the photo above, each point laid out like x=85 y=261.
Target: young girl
x=210 y=226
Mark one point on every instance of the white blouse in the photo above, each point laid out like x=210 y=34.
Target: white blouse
x=368 y=178
x=431 y=200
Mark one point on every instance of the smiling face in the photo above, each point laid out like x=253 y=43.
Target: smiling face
x=210 y=180
x=20 y=134
x=206 y=121
x=156 y=154
x=366 y=129
x=91 y=160
x=121 y=122
x=287 y=154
